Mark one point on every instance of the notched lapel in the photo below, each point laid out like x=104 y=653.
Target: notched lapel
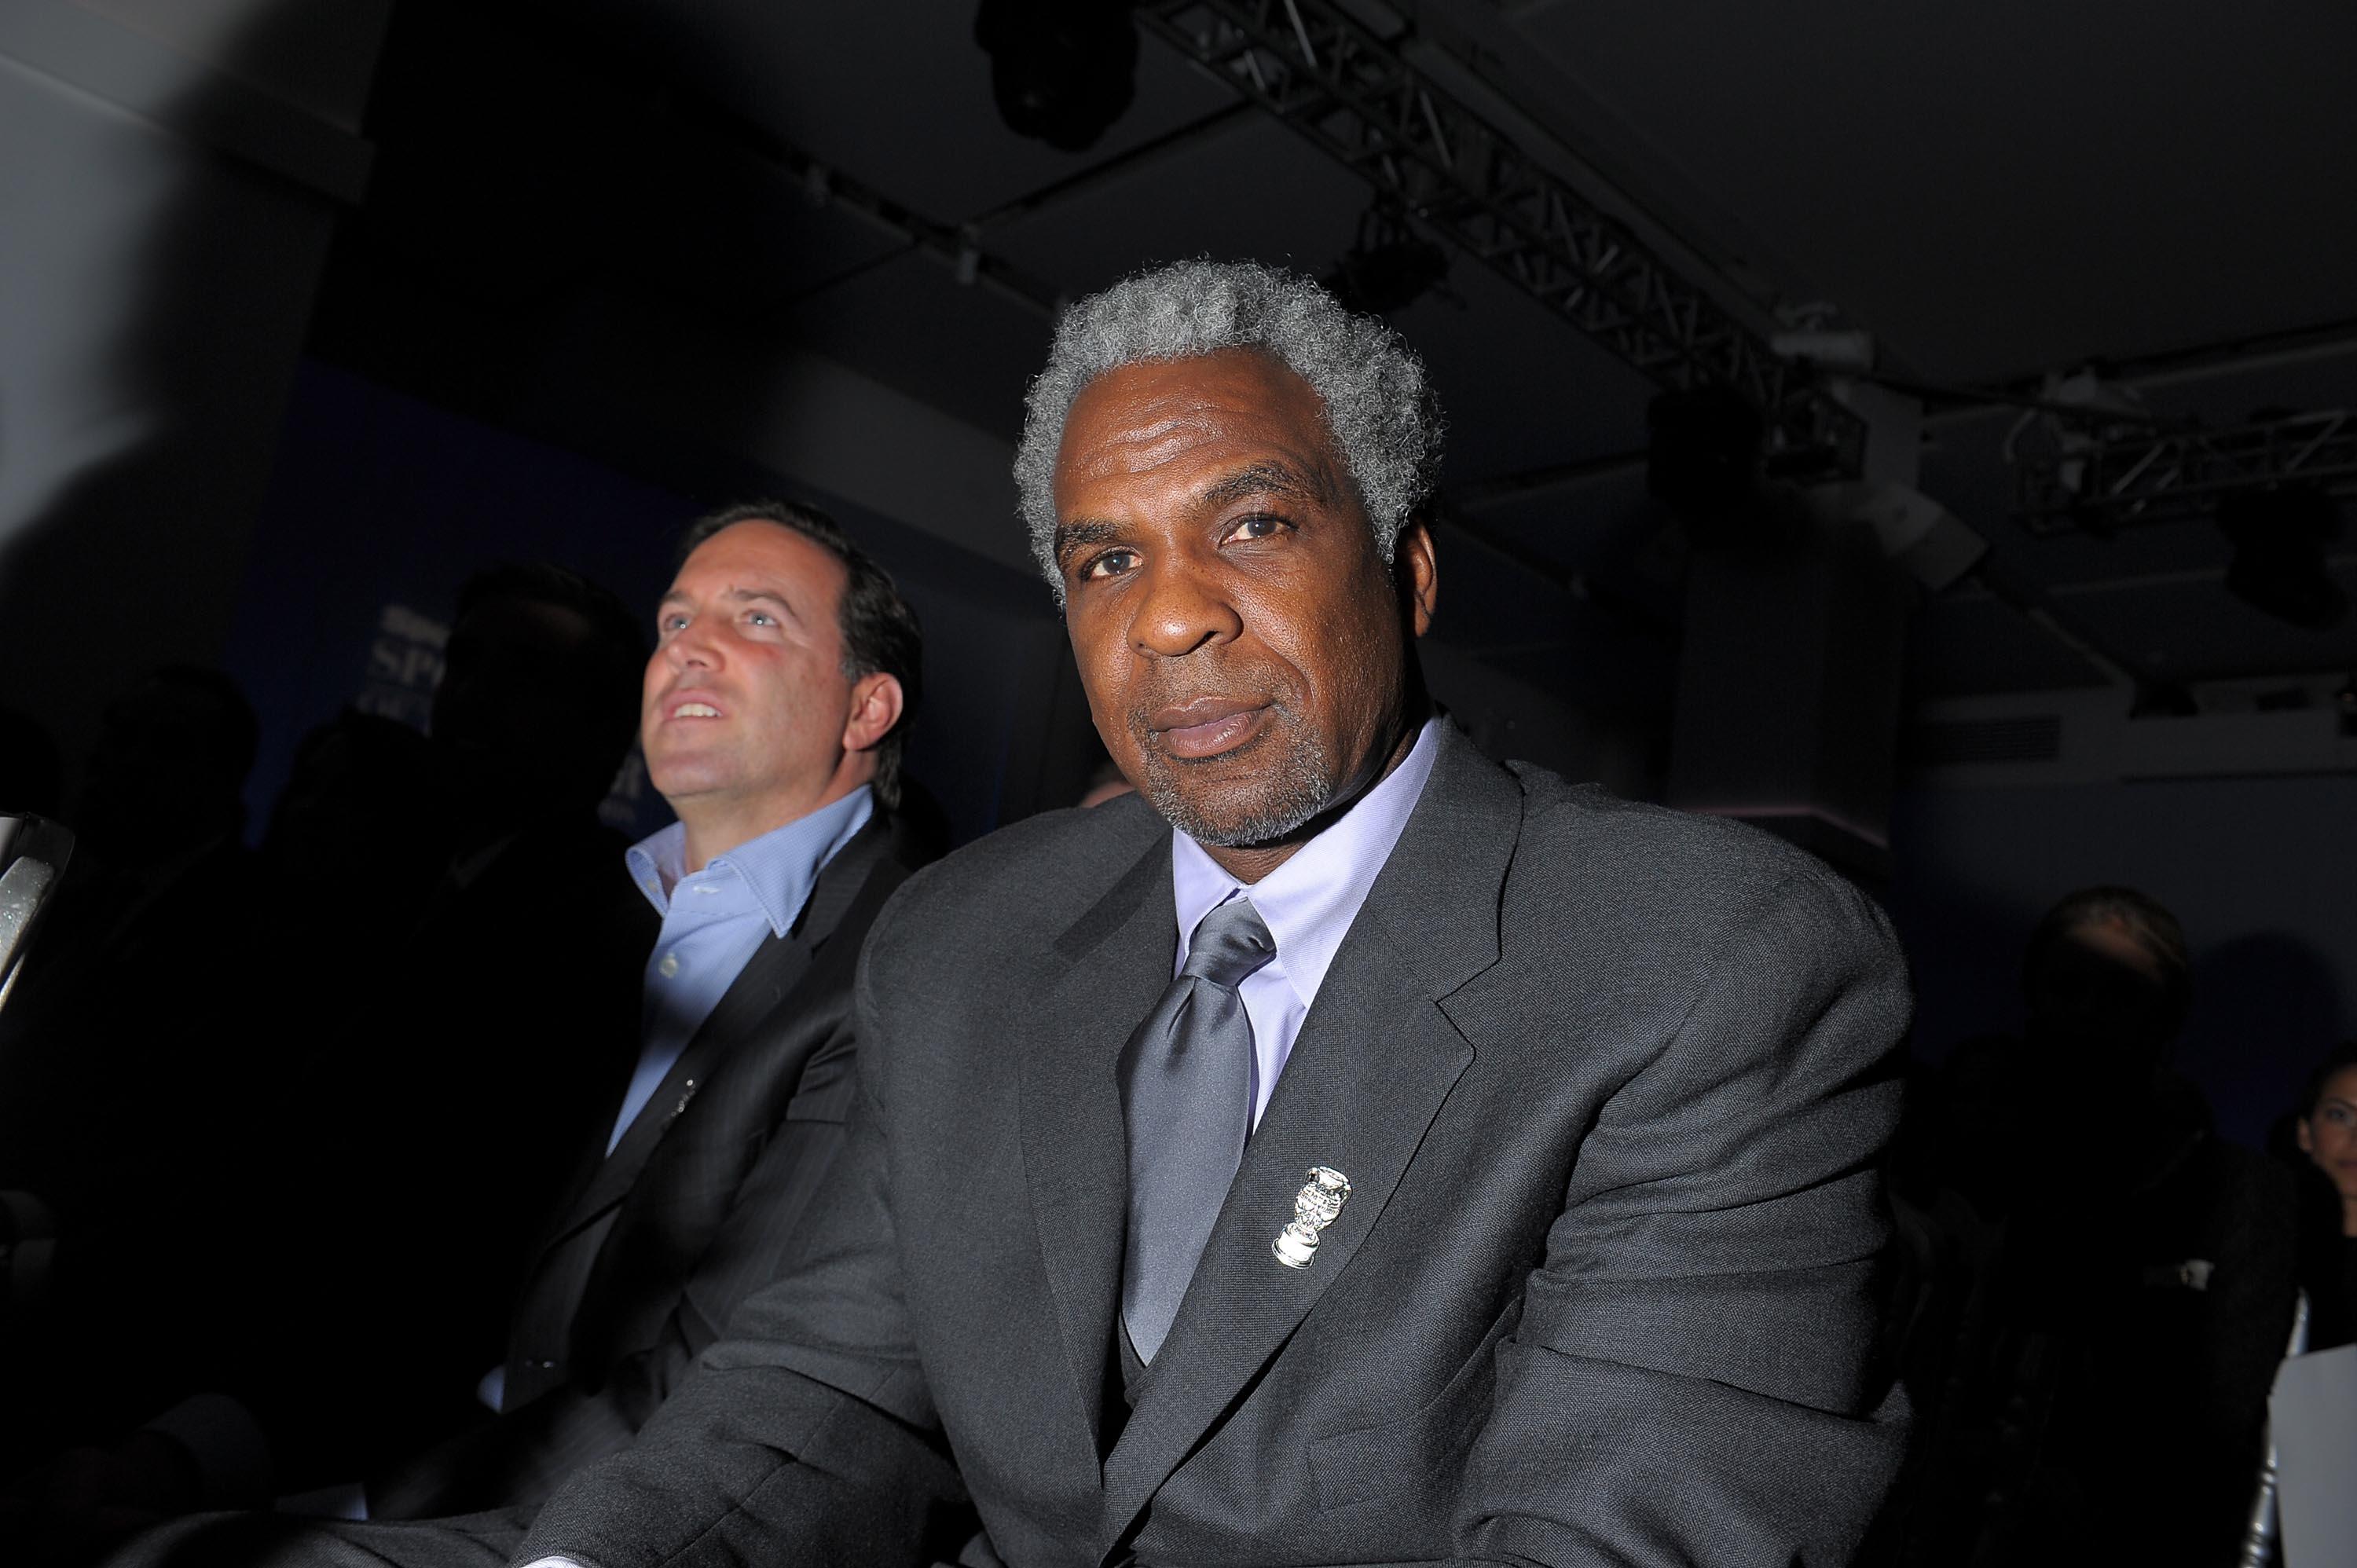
x=1375 y=1059
x=1114 y=962
x=765 y=984
x=767 y=978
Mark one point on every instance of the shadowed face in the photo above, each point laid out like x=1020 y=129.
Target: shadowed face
x=1244 y=650
x=2328 y=1133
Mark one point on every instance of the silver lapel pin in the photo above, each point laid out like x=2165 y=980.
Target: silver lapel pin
x=1322 y=1199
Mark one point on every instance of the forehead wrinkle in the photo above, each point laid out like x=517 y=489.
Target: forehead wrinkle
x=1141 y=448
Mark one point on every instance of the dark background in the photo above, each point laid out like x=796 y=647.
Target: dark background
x=309 y=308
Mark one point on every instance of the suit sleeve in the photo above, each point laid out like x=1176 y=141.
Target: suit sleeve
x=1690 y=1378
x=525 y=1454
x=805 y=1435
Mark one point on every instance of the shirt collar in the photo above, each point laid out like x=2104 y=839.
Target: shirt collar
x=778 y=868
x=1309 y=902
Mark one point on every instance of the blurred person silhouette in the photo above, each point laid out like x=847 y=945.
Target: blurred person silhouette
x=32 y=769
x=437 y=1120
x=121 y=1053
x=138 y=1043
x=2099 y=1286
x=352 y=841
x=366 y=1092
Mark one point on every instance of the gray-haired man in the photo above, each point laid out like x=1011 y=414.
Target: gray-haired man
x=1346 y=1150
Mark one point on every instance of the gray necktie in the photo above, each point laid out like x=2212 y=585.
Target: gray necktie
x=1185 y=1093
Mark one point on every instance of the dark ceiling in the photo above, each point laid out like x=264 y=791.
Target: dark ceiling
x=1994 y=190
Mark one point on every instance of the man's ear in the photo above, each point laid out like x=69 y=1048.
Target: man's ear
x=876 y=704
x=1417 y=570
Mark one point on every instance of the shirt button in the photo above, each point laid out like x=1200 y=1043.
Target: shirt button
x=669 y=968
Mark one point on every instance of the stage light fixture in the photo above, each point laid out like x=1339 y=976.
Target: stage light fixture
x=1390 y=266
x=2280 y=537
x=1063 y=71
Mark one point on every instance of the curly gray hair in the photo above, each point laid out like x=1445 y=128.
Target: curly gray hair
x=1385 y=420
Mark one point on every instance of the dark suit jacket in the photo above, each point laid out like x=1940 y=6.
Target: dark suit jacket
x=1609 y=1084
x=660 y=1239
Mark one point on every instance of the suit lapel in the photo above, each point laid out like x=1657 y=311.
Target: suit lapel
x=761 y=988
x=773 y=971
x=1113 y=964
x=1375 y=1059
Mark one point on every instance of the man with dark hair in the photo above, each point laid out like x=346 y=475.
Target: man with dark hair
x=785 y=669
x=879 y=631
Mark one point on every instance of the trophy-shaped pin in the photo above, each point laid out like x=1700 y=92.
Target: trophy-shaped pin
x=1314 y=1208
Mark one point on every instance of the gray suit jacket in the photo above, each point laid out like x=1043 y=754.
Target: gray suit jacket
x=1610 y=1086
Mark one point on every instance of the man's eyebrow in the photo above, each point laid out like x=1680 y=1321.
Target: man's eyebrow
x=740 y=596
x=1070 y=536
x=763 y=597
x=1267 y=479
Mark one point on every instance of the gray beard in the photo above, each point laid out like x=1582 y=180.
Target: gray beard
x=1295 y=792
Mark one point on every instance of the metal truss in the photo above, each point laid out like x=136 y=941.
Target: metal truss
x=2121 y=478
x=1345 y=88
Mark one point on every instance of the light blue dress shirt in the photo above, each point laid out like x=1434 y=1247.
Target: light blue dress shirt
x=712 y=921
x=1307 y=905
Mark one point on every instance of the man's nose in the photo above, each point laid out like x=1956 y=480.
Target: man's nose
x=1182 y=609
x=692 y=647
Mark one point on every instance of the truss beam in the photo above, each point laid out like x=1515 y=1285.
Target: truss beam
x=2159 y=476
x=1334 y=80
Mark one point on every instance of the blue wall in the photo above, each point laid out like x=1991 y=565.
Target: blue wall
x=2260 y=871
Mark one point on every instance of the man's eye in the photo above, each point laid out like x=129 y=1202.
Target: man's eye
x=1257 y=526
x=761 y=617
x=671 y=623
x=1112 y=563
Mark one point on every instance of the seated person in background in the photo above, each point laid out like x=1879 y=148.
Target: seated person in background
x=445 y=1102
x=32 y=771
x=2104 y=1285
x=1345 y=1149
x=129 y=1056
x=2326 y=1134
x=348 y=1245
